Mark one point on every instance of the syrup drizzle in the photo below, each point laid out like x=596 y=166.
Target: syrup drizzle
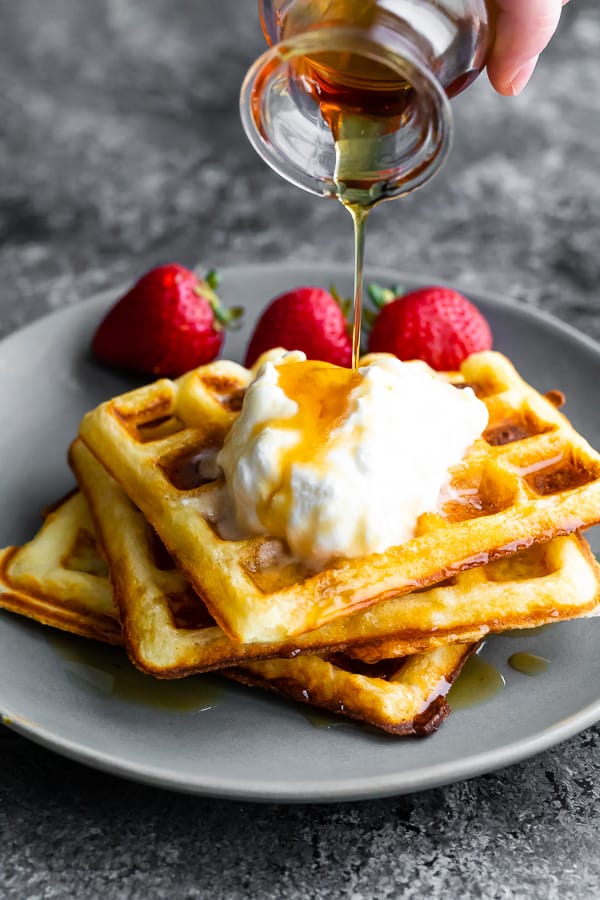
x=359 y=218
x=478 y=682
x=528 y=663
x=106 y=670
x=321 y=392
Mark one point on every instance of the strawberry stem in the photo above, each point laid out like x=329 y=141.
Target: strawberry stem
x=381 y=296
x=228 y=318
x=212 y=279
x=224 y=318
x=344 y=303
x=369 y=318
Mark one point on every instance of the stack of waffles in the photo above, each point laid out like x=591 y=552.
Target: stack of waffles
x=137 y=555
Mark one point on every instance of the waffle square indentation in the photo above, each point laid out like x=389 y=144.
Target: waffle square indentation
x=570 y=472
x=194 y=467
x=272 y=568
x=188 y=610
x=523 y=424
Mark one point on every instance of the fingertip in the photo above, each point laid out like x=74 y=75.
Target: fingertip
x=510 y=80
x=523 y=30
x=520 y=78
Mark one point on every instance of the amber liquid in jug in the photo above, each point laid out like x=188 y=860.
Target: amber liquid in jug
x=352 y=99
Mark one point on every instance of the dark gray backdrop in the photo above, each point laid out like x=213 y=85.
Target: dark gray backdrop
x=120 y=147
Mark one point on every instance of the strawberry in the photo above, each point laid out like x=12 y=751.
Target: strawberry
x=436 y=324
x=169 y=322
x=308 y=319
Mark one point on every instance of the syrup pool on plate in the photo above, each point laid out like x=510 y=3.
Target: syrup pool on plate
x=528 y=663
x=106 y=670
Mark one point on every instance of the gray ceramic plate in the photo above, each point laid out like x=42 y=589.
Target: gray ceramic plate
x=208 y=737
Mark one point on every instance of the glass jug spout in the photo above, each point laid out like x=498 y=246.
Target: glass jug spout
x=351 y=98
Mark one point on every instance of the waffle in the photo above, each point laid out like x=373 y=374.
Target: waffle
x=544 y=584
x=403 y=696
x=529 y=478
x=59 y=579
x=167 y=629
x=169 y=632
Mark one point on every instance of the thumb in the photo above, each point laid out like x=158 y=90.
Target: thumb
x=523 y=30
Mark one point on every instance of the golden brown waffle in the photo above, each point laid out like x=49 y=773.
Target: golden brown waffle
x=170 y=633
x=529 y=478
x=544 y=584
x=59 y=579
x=402 y=696
x=168 y=630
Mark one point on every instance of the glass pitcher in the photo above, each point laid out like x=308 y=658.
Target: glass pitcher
x=351 y=98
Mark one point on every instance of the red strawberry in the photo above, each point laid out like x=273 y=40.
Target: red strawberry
x=169 y=322
x=308 y=319
x=435 y=324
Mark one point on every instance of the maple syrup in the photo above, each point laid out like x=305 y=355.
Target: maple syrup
x=106 y=670
x=351 y=99
x=528 y=663
x=478 y=682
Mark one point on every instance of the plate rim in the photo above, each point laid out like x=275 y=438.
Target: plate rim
x=350 y=790
x=369 y=787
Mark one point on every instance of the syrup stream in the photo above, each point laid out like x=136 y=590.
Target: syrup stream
x=359 y=218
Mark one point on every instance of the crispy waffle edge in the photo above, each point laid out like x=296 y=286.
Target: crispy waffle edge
x=51 y=611
x=434 y=708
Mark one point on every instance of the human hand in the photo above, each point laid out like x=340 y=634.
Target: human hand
x=523 y=29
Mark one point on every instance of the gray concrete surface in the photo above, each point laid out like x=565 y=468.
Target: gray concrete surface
x=120 y=147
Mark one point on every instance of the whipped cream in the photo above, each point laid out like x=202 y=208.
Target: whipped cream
x=341 y=463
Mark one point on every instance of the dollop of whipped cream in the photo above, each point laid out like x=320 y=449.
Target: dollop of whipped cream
x=341 y=463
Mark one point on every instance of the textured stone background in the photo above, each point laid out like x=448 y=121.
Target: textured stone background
x=120 y=147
